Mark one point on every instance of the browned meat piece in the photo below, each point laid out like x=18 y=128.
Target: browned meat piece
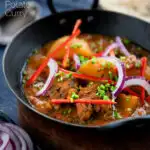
x=84 y=111
x=60 y=89
x=131 y=60
x=89 y=92
x=40 y=105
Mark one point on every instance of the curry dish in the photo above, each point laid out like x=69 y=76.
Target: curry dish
x=88 y=79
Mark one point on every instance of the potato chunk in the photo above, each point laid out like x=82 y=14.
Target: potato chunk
x=128 y=102
x=99 y=68
x=77 y=46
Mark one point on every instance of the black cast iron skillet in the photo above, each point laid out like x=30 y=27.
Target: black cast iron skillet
x=55 y=26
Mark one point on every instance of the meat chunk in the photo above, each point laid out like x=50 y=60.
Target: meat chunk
x=89 y=92
x=84 y=111
x=61 y=89
x=41 y=105
x=131 y=60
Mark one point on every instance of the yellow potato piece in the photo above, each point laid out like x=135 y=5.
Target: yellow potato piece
x=83 y=50
x=147 y=73
x=97 y=69
x=127 y=101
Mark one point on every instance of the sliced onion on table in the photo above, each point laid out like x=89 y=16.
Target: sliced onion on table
x=9 y=146
x=53 y=67
x=121 y=75
x=137 y=81
x=121 y=46
x=77 y=61
x=14 y=138
x=21 y=135
x=4 y=140
x=109 y=48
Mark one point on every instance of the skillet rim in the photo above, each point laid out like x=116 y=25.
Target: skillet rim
x=108 y=126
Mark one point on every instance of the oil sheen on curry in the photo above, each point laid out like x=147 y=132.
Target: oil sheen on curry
x=88 y=79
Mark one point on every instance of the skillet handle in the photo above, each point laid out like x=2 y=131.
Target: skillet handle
x=53 y=10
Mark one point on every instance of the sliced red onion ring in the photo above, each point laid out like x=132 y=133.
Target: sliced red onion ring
x=122 y=47
x=121 y=75
x=23 y=145
x=9 y=146
x=137 y=80
x=53 y=67
x=77 y=61
x=109 y=48
x=13 y=138
x=4 y=137
x=23 y=134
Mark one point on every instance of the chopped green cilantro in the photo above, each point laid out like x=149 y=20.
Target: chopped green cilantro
x=69 y=110
x=116 y=78
x=59 y=74
x=127 y=66
x=23 y=81
x=24 y=72
x=77 y=45
x=109 y=65
x=117 y=115
x=35 y=51
x=93 y=60
x=138 y=64
x=69 y=75
x=102 y=87
x=126 y=41
x=122 y=58
x=74 y=96
x=60 y=79
x=83 y=59
x=107 y=85
x=110 y=75
x=112 y=88
x=100 y=92
x=105 y=97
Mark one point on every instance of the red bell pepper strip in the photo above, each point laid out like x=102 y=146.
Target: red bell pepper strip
x=84 y=101
x=143 y=68
x=66 y=57
x=148 y=99
x=76 y=26
x=86 y=77
x=131 y=92
x=98 y=54
x=50 y=55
